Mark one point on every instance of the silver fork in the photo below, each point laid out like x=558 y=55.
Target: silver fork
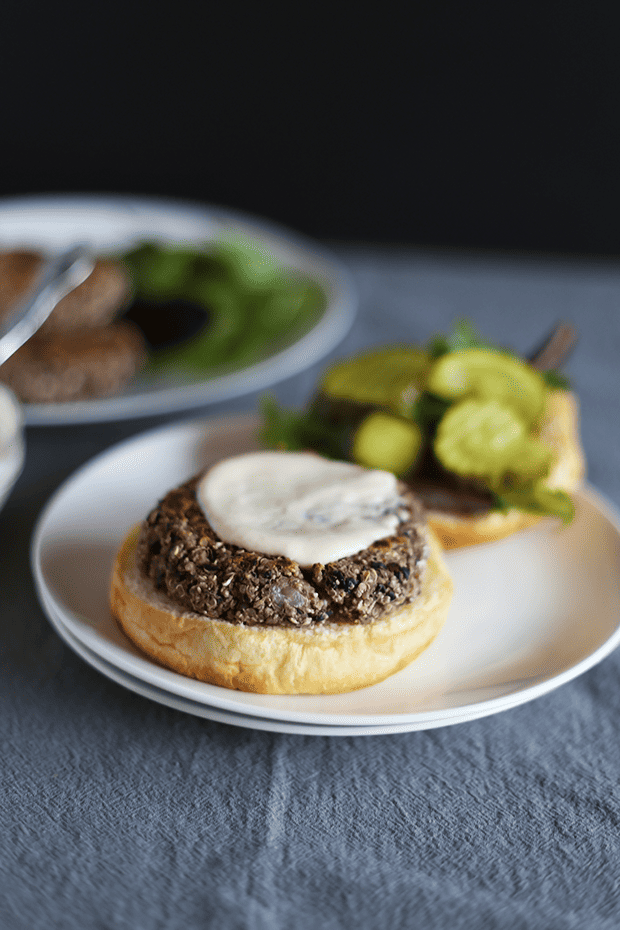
x=59 y=276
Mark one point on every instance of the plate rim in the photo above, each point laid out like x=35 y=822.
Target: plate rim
x=232 y=718
x=310 y=348
x=221 y=696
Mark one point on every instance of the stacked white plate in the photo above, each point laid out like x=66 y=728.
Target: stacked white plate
x=529 y=613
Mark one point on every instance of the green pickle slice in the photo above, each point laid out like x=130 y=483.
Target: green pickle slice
x=487 y=439
x=390 y=377
x=387 y=442
x=489 y=375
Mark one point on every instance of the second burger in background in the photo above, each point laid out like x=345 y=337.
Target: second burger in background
x=488 y=441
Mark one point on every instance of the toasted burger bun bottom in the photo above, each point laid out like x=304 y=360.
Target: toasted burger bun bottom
x=560 y=430
x=326 y=659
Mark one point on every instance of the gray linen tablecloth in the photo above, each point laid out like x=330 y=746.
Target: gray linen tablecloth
x=117 y=812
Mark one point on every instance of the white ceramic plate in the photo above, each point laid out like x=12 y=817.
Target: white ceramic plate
x=110 y=224
x=208 y=712
x=529 y=613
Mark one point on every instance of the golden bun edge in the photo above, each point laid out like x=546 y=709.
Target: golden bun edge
x=327 y=659
x=560 y=429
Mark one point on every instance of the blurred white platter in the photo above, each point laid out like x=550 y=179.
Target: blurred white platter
x=115 y=224
x=530 y=613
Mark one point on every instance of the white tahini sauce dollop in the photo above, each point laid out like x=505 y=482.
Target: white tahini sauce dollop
x=299 y=505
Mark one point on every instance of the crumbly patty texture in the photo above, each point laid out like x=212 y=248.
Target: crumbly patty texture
x=95 y=302
x=94 y=362
x=184 y=558
x=80 y=351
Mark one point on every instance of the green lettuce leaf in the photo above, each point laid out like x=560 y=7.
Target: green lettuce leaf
x=539 y=499
x=298 y=430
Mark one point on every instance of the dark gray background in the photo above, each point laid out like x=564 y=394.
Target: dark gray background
x=481 y=125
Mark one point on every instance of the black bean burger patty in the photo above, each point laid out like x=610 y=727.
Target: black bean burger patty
x=185 y=559
x=93 y=362
x=95 y=302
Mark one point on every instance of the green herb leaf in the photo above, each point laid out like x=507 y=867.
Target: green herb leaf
x=463 y=336
x=428 y=410
x=556 y=380
x=294 y=431
x=255 y=305
x=539 y=499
